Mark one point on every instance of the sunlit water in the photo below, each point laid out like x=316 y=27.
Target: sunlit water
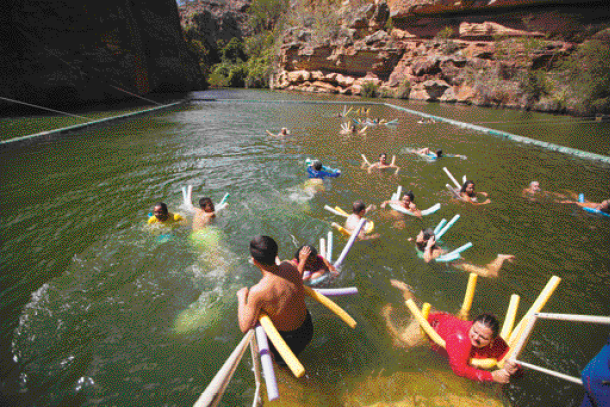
x=98 y=311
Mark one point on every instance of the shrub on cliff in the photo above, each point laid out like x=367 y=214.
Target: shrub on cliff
x=369 y=90
x=588 y=71
x=404 y=90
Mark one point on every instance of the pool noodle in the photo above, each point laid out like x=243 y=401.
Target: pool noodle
x=224 y=198
x=337 y=310
x=446 y=228
x=452 y=178
x=509 y=320
x=393 y=160
x=425 y=311
x=464 y=179
x=595 y=211
x=350 y=242
x=423 y=322
x=365 y=160
x=398 y=192
x=461 y=248
x=440 y=225
x=340 y=229
x=542 y=299
x=280 y=345
x=322 y=247
x=333 y=292
x=267 y=363
x=431 y=209
x=341 y=211
x=445 y=258
x=336 y=212
x=581 y=197
x=468 y=296
x=256 y=368
x=329 y=247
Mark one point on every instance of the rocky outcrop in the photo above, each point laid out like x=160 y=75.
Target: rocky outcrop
x=217 y=19
x=464 y=51
x=68 y=52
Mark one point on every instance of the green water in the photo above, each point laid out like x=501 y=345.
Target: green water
x=97 y=311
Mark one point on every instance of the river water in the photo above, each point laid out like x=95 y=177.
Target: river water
x=97 y=310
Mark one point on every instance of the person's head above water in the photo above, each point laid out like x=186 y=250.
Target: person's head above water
x=409 y=196
x=160 y=211
x=422 y=238
x=312 y=255
x=317 y=165
x=468 y=188
x=206 y=204
x=284 y=131
x=604 y=206
x=439 y=153
x=383 y=158
x=358 y=207
x=534 y=186
x=484 y=330
x=263 y=250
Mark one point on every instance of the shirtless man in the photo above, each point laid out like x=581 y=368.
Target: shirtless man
x=382 y=164
x=279 y=294
x=359 y=209
x=464 y=340
x=407 y=202
x=161 y=216
x=426 y=243
x=204 y=214
x=468 y=194
x=603 y=206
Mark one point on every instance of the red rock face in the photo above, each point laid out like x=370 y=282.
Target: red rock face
x=72 y=52
x=445 y=50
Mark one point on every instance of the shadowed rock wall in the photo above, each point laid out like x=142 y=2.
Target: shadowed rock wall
x=69 y=52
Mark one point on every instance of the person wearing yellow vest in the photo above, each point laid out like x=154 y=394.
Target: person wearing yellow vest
x=161 y=216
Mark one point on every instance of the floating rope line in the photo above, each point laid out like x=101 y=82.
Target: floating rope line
x=45 y=108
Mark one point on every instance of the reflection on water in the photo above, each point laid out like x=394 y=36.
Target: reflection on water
x=99 y=311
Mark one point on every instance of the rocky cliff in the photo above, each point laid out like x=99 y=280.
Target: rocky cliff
x=471 y=51
x=69 y=52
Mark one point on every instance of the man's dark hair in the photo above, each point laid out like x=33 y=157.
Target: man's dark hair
x=163 y=207
x=439 y=153
x=205 y=202
x=489 y=321
x=263 y=249
x=411 y=195
x=358 y=206
x=317 y=165
x=465 y=185
x=428 y=233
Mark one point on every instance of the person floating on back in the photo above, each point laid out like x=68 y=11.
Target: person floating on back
x=426 y=243
x=280 y=294
x=464 y=340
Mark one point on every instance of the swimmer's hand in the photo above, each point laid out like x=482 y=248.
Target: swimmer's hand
x=500 y=376
x=431 y=242
x=304 y=254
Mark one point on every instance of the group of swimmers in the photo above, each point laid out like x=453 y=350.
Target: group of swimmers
x=280 y=291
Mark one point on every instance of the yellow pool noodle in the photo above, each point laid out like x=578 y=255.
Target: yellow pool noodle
x=488 y=363
x=425 y=311
x=509 y=320
x=542 y=299
x=291 y=360
x=467 y=304
x=341 y=211
x=423 y=322
x=322 y=299
x=340 y=229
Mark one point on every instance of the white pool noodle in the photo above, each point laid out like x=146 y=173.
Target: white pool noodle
x=398 y=192
x=350 y=242
x=256 y=368
x=336 y=212
x=452 y=178
x=464 y=179
x=440 y=226
x=322 y=247
x=431 y=209
x=332 y=292
x=329 y=247
x=446 y=228
x=184 y=195
x=267 y=363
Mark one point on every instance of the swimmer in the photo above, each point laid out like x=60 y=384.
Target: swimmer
x=359 y=209
x=533 y=190
x=427 y=152
x=307 y=258
x=426 y=243
x=349 y=128
x=382 y=164
x=317 y=171
x=464 y=340
x=161 y=216
x=284 y=132
x=204 y=214
x=280 y=294
x=603 y=206
x=468 y=194
x=407 y=202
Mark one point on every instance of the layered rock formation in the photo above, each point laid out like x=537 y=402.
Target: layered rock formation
x=470 y=51
x=68 y=52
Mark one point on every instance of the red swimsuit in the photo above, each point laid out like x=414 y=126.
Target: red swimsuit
x=459 y=349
